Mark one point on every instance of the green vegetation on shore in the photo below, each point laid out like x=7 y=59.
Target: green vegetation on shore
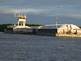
x=3 y=26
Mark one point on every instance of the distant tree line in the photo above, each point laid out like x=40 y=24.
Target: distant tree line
x=3 y=26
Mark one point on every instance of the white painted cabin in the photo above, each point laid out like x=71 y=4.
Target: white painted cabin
x=21 y=24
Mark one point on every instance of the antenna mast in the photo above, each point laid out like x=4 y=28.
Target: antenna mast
x=56 y=22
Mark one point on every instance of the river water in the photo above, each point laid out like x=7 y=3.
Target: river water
x=17 y=47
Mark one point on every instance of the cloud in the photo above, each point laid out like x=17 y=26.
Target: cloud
x=21 y=10
x=74 y=15
x=68 y=11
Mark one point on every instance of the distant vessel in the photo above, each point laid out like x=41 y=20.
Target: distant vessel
x=66 y=30
x=69 y=30
x=21 y=25
x=21 y=28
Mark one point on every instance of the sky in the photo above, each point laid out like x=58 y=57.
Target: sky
x=41 y=11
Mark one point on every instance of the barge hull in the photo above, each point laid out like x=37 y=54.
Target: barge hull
x=42 y=32
x=68 y=35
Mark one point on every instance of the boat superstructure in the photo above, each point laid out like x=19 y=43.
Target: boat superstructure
x=21 y=25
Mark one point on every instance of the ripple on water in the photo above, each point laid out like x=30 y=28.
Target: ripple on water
x=16 y=47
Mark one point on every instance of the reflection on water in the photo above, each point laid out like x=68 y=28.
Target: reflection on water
x=16 y=47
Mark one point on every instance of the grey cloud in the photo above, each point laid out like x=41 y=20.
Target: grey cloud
x=21 y=10
x=74 y=15
x=47 y=11
x=40 y=3
x=6 y=0
x=43 y=7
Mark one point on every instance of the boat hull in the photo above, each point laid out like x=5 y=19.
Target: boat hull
x=68 y=35
x=43 y=32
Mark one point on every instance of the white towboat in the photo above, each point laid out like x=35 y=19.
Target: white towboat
x=21 y=25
